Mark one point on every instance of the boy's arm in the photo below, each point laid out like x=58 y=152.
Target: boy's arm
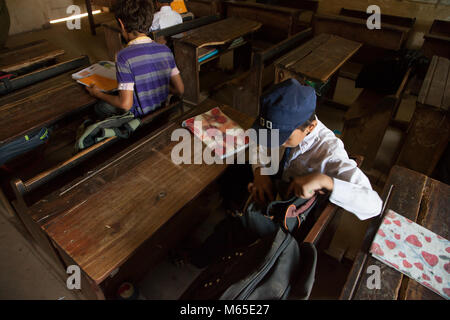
x=350 y=188
x=123 y=101
x=176 y=85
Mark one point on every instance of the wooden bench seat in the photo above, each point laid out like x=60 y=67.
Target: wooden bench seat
x=278 y=23
x=26 y=56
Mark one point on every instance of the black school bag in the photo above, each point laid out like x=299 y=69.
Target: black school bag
x=269 y=264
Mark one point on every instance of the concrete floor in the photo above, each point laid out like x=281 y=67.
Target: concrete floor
x=24 y=274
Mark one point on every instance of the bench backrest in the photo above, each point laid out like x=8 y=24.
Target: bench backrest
x=310 y=5
x=440 y=28
x=249 y=96
x=390 y=37
x=278 y=22
x=406 y=22
x=203 y=8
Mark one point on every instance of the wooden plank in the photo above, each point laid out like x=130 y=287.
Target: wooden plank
x=435 y=216
x=390 y=37
x=425 y=88
x=406 y=22
x=436 y=45
x=406 y=199
x=42 y=109
x=440 y=28
x=326 y=59
x=203 y=8
x=221 y=32
x=187 y=61
x=310 y=5
x=438 y=84
x=129 y=197
x=14 y=60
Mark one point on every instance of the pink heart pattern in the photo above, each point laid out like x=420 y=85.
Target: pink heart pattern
x=415 y=251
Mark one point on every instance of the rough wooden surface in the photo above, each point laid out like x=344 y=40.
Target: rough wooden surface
x=41 y=105
x=101 y=219
x=420 y=199
x=14 y=60
x=390 y=37
x=319 y=58
x=435 y=90
x=221 y=32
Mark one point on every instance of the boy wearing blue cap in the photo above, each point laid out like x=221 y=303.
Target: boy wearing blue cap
x=314 y=158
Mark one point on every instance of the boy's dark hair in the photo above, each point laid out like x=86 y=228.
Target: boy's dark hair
x=136 y=15
x=308 y=122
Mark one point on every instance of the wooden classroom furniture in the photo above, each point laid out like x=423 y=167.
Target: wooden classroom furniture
x=318 y=59
x=119 y=219
x=406 y=22
x=34 y=53
x=22 y=81
x=429 y=130
x=114 y=41
x=219 y=34
x=437 y=40
x=309 y=5
x=389 y=37
x=251 y=87
x=278 y=23
x=204 y=8
x=420 y=199
x=41 y=105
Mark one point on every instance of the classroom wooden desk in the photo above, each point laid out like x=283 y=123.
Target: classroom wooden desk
x=41 y=105
x=318 y=59
x=420 y=199
x=101 y=220
x=28 y=55
x=217 y=34
x=429 y=130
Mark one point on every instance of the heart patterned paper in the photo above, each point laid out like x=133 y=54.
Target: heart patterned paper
x=414 y=251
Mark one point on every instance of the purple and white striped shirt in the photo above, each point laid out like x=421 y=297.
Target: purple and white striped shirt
x=146 y=67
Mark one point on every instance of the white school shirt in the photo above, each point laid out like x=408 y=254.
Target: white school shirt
x=165 y=18
x=322 y=152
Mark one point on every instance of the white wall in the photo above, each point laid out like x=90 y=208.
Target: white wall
x=27 y=15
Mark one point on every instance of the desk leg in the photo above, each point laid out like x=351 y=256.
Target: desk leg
x=187 y=63
x=91 y=17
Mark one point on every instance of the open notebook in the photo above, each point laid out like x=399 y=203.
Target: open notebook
x=414 y=251
x=218 y=132
x=101 y=74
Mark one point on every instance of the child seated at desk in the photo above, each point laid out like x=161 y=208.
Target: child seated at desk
x=146 y=70
x=165 y=17
x=314 y=158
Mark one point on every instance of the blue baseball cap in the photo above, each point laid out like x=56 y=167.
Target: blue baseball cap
x=285 y=107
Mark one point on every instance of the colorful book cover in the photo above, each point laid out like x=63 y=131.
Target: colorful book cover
x=414 y=251
x=179 y=6
x=101 y=74
x=208 y=126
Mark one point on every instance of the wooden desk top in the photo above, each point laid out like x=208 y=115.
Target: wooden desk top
x=221 y=32
x=25 y=56
x=40 y=105
x=101 y=219
x=319 y=58
x=420 y=199
x=435 y=90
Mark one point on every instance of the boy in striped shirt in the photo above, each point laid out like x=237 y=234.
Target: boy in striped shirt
x=146 y=70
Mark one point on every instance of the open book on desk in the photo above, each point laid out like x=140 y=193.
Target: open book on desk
x=101 y=74
x=218 y=132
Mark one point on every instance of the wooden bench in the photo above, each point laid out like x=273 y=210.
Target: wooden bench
x=278 y=23
x=219 y=34
x=27 y=56
x=406 y=22
x=7 y=86
x=367 y=120
x=250 y=87
x=376 y=42
x=120 y=218
x=420 y=199
x=437 y=40
x=204 y=8
x=429 y=130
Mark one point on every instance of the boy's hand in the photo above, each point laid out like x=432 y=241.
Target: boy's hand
x=261 y=188
x=93 y=91
x=306 y=187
